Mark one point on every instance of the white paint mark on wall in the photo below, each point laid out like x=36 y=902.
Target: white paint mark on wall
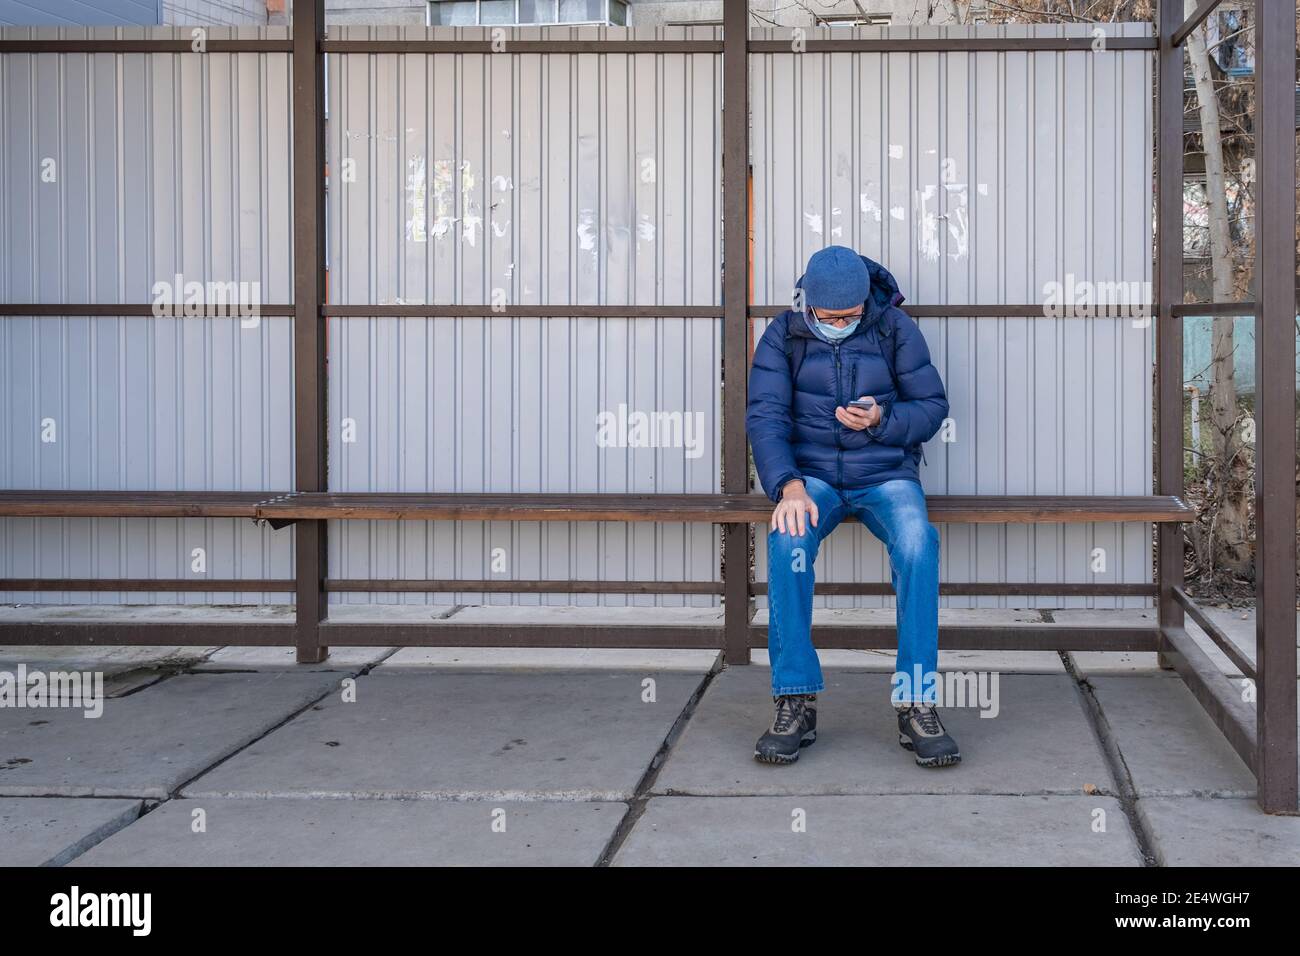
x=895 y=151
x=927 y=229
x=351 y=134
x=814 y=222
x=471 y=210
x=869 y=200
x=443 y=202
x=836 y=229
x=587 y=234
x=898 y=212
x=983 y=189
x=416 y=222
x=645 y=229
x=958 y=220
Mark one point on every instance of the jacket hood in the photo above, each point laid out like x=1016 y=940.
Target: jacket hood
x=884 y=294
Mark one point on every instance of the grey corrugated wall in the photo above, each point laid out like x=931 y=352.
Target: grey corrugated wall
x=979 y=177
x=164 y=163
x=551 y=179
x=570 y=178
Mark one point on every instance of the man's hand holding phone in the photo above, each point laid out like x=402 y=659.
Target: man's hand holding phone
x=859 y=414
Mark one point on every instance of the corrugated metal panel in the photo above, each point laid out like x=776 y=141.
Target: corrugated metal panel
x=80 y=13
x=165 y=164
x=570 y=178
x=980 y=177
x=542 y=180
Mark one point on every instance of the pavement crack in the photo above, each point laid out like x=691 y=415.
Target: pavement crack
x=1127 y=795
x=641 y=793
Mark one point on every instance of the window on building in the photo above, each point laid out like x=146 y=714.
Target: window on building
x=497 y=11
x=453 y=13
x=537 y=11
x=526 y=12
x=854 y=21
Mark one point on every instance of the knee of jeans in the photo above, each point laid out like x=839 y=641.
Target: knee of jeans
x=916 y=540
x=794 y=551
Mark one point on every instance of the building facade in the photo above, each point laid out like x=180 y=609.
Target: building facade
x=642 y=13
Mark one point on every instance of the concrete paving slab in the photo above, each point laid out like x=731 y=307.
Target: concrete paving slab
x=164 y=613
x=362 y=833
x=1237 y=623
x=110 y=660
x=1104 y=616
x=569 y=614
x=1139 y=663
x=544 y=658
x=1205 y=831
x=1118 y=664
x=130 y=682
x=848 y=616
x=271 y=658
x=1040 y=742
x=149 y=743
x=883 y=661
x=579 y=735
x=388 y=613
x=914 y=830
x=1168 y=742
x=50 y=831
x=125 y=670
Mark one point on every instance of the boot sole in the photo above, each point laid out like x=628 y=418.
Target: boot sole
x=806 y=740
x=946 y=760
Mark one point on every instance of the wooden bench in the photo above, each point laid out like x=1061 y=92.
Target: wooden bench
x=284 y=508
x=281 y=508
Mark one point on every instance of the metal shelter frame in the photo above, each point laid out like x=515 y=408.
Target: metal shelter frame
x=1265 y=736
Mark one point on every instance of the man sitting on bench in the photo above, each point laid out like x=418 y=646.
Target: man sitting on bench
x=841 y=397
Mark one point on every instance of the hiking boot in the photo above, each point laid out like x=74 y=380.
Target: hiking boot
x=920 y=731
x=793 y=726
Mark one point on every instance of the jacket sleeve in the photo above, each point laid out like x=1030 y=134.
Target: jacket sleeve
x=921 y=404
x=769 y=418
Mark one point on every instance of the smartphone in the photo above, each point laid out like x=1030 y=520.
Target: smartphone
x=863 y=403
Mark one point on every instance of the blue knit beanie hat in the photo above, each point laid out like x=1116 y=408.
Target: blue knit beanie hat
x=836 y=278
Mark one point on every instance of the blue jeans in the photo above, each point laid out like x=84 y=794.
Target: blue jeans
x=895 y=513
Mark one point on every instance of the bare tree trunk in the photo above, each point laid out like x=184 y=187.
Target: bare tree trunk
x=1230 y=547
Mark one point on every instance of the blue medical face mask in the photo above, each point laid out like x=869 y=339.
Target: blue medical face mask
x=834 y=333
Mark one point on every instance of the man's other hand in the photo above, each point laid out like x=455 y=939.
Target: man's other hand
x=794 y=510
x=858 y=418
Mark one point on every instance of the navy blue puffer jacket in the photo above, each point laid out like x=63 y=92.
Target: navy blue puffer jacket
x=792 y=425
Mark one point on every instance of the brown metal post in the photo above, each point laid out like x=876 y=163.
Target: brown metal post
x=1275 y=409
x=308 y=325
x=735 y=321
x=1169 y=293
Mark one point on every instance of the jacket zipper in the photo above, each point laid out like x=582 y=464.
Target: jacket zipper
x=839 y=451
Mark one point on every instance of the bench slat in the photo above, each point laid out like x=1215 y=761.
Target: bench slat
x=717 y=509
x=132 y=504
